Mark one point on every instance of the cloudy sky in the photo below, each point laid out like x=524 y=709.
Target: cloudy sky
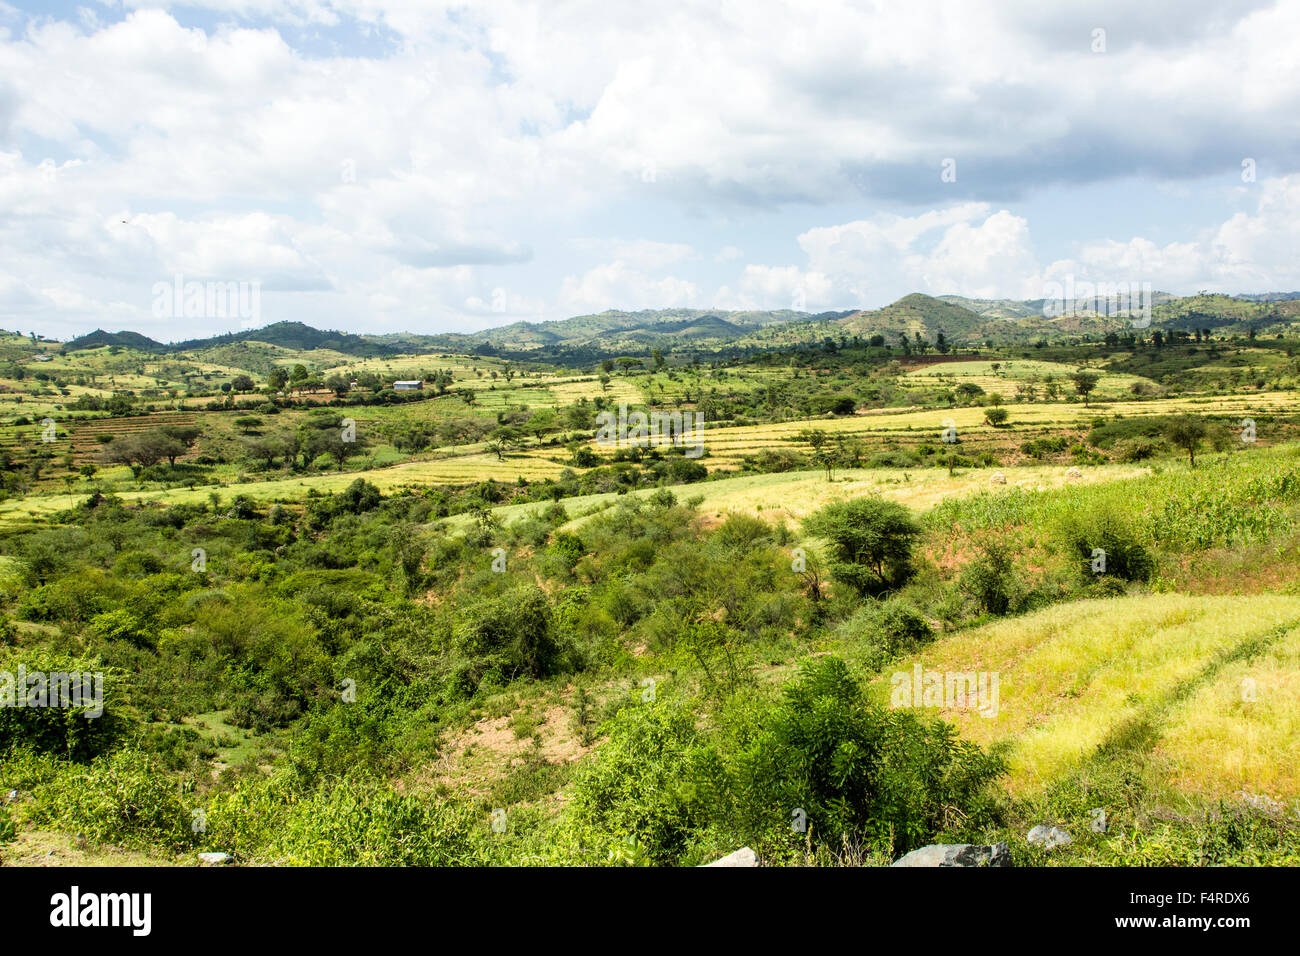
x=390 y=165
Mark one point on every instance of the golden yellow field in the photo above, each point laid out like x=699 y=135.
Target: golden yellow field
x=1073 y=675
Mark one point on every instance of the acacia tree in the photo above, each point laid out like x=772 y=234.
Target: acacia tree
x=143 y=450
x=1186 y=431
x=504 y=440
x=870 y=542
x=185 y=435
x=822 y=453
x=1084 y=383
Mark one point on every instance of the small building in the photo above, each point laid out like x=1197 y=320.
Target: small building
x=411 y=386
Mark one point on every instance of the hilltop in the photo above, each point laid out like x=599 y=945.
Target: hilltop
x=964 y=322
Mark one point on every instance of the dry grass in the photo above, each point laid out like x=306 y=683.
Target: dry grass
x=1073 y=675
x=1221 y=742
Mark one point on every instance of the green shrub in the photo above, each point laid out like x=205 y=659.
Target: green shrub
x=358 y=823
x=742 y=533
x=859 y=773
x=8 y=829
x=649 y=782
x=1042 y=447
x=1107 y=529
x=870 y=542
x=568 y=547
x=888 y=628
x=125 y=797
x=64 y=731
x=990 y=580
x=506 y=636
x=1137 y=449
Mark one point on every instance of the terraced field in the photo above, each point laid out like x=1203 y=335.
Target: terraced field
x=727 y=446
x=82 y=436
x=463 y=469
x=1011 y=373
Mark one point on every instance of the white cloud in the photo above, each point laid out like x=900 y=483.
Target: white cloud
x=442 y=150
x=966 y=249
x=778 y=287
x=640 y=253
x=1259 y=251
x=616 y=285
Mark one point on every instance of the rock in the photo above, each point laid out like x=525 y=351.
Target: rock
x=957 y=854
x=1261 y=802
x=12 y=796
x=214 y=859
x=742 y=857
x=1049 y=837
x=997 y=478
x=1073 y=473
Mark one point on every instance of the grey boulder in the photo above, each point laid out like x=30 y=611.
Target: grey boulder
x=957 y=854
x=1049 y=837
x=742 y=857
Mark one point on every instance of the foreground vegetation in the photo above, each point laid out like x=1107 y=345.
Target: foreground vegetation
x=340 y=624
x=351 y=684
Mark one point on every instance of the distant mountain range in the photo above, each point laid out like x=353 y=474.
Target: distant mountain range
x=963 y=321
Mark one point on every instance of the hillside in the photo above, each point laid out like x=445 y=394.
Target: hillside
x=648 y=327
x=916 y=313
x=965 y=322
x=99 y=338
x=1228 y=314
x=294 y=336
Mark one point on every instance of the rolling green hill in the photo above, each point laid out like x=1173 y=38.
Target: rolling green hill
x=100 y=338
x=963 y=321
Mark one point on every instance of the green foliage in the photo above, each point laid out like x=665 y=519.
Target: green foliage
x=79 y=732
x=870 y=542
x=991 y=580
x=1040 y=448
x=123 y=797
x=8 y=829
x=1083 y=532
x=858 y=772
x=889 y=628
x=360 y=823
x=1187 y=432
x=650 y=782
x=1137 y=449
x=1227 y=502
x=505 y=636
x=568 y=547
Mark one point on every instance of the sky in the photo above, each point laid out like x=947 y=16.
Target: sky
x=408 y=165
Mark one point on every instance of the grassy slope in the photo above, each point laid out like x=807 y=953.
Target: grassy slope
x=1076 y=676
x=795 y=494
